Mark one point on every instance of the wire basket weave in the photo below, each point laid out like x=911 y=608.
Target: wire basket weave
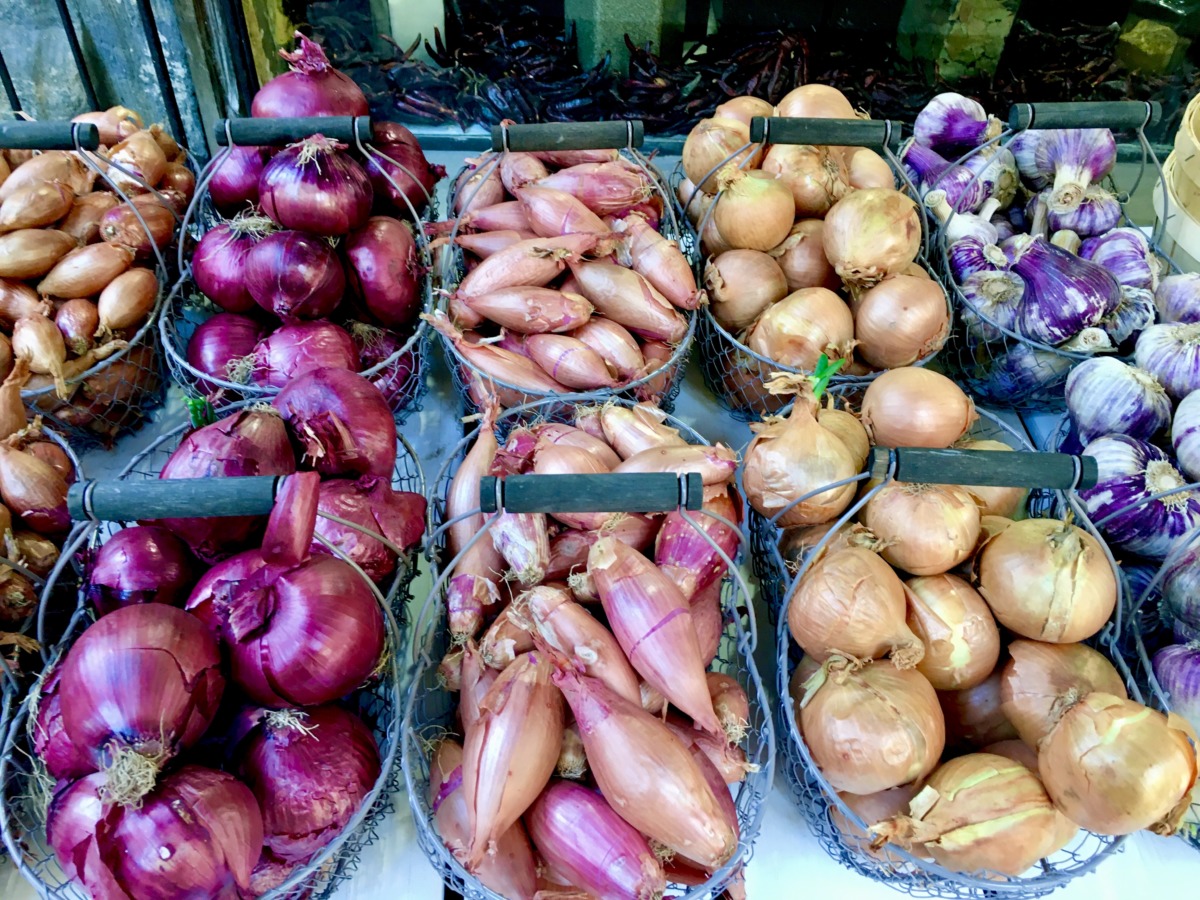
x=430 y=707
x=380 y=705
x=660 y=387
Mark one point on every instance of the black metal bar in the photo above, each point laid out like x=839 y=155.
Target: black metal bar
x=89 y=89
x=615 y=135
x=10 y=89
x=25 y=135
x=169 y=498
x=1119 y=115
x=826 y=132
x=159 y=60
x=275 y=132
x=612 y=492
x=1018 y=468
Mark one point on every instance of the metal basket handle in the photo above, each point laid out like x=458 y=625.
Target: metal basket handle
x=278 y=132
x=609 y=492
x=620 y=134
x=49 y=136
x=173 y=498
x=1118 y=115
x=833 y=132
x=1020 y=468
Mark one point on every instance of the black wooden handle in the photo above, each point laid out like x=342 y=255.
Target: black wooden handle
x=832 y=132
x=613 y=492
x=1119 y=115
x=615 y=135
x=277 y=132
x=171 y=498
x=991 y=468
x=49 y=135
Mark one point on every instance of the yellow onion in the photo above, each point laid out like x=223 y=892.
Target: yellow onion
x=851 y=603
x=710 y=144
x=846 y=426
x=141 y=155
x=801 y=327
x=53 y=165
x=962 y=642
x=815 y=101
x=712 y=242
x=914 y=407
x=1115 y=767
x=695 y=203
x=1047 y=580
x=1040 y=680
x=916 y=270
x=873 y=809
x=801 y=257
x=901 y=320
x=990 y=526
x=741 y=284
x=796 y=543
x=993 y=501
x=86 y=271
x=871 y=234
x=83 y=221
x=744 y=109
x=32 y=252
x=19 y=300
x=754 y=210
x=127 y=301
x=979 y=812
x=789 y=458
x=871 y=727
x=37 y=205
x=1065 y=830
x=926 y=529
x=816 y=176
x=867 y=169
x=742 y=379
x=974 y=717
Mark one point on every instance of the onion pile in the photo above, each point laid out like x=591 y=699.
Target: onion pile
x=833 y=273
x=315 y=260
x=569 y=284
x=606 y=618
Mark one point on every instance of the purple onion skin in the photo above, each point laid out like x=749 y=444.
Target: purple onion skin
x=309 y=783
x=1063 y=293
x=313 y=87
x=140 y=564
x=407 y=160
x=1177 y=669
x=1105 y=396
x=294 y=349
x=371 y=503
x=384 y=271
x=1178 y=298
x=223 y=339
x=295 y=275
x=219 y=268
x=314 y=187
x=395 y=381
x=234 y=185
x=58 y=753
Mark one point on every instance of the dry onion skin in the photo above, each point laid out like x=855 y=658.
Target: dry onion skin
x=871 y=234
x=816 y=176
x=801 y=257
x=741 y=284
x=914 y=407
x=743 y=109
x=994 y=501
x=1018 y=751
x=974 y=716
x=709 y=144
x=846 y=426
x=1040 y=680
x=1115 y=767
x=962 y=642
x=873 y=809
x=803 y=326
x=901 y=320
x=754 y=209
x=926 y=529
x=1047 y=580
x=871 y=727
x=867 y=169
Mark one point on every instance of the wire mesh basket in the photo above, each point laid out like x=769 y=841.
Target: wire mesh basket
x=400 y=374
x=993 y=362
x=430 y=706
x=660 y=386
x=379 y=704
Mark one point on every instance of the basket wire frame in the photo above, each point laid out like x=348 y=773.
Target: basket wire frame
x=430 y=707
x=660 y=387
x=113 y=405
x=818 y=800
x=380 y=705
x=186 y=308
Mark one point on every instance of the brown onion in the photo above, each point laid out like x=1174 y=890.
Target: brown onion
x=170 y=147
x=6 y=355
x=1047 y=580
x=33 y=490
x=802 y=327
x=913 y=407
x=815 y=101
x=993 y=501
x=926 y=529
x=54 y=165
x=12 y=413
x=871 y=234
x=114 y=124
x=140 y=155
x=86 y=271
x=847 y=427
x=120 y=225
x=40 y=554
x=867 y=169
x=962 y=642
x=710 y=144
x=127 y=301
x=78 y=321
x=83 y=221
x=901 y=320
x=712 y=243
x=974 y=717
x=38 y=339
x=49 y=452
x=1018 y=751
x=18 y=301
x=801 y=256
x=1115 y=766
x=35 y=206
x=851 y=603
x=178 y=177
x=873 y=809
x=744 y=109
x=754 y=210
x=741 y=284
x=32 y=252
x=1041 y=680
x=872 y=727
x=816 y=176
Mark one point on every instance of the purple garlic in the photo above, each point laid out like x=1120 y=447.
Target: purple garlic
x=1106 y=396
x=930 y=172
x=1066 y=159
x=1126 y=254
x=971 y=255
x=1134 y=313
x=997 y=170
x=1098 y=212
x=952 y=124
x=1063 y=293
x=1178 y=298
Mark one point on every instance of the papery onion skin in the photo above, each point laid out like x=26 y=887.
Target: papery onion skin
x=870 y=234
x=801 y=257
x=802 y=327
x=411 y=174
x=872 y=809
x=384 y=270
x=290 y=351
x=901 y=320
x=312 y=87
x=975 y=716
x=708 y=146
x=754 y=209
x=219 y=341
x=914 y=407
x=815 y=101
x=51 y=743
x=816 y=176
x=741 y=285
x=992 y=500
x=234 y=182
x=290 y=273
x=32 y=252
x=140 y=564
x=219 y=262
x=371 y=503
x=926 y=529
x=962 y=642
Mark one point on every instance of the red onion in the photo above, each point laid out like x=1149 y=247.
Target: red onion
x=372 y=504
x=408 y=162
x=198 y=835
x=139 y=686
x=78 y=320
x=312 y=88
x=395 y=381
x=248 y=442
x=384 y=271
x=312 y=185
x=342 y=421
x=682 y=552
x=34 y=490
x=141 y=564
x=219 y=263
x=301 y=347
x=297 y=636
x=293 y=274
x=311 y=771
x=219 y=341
x=234 y=183
x=58 y=753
